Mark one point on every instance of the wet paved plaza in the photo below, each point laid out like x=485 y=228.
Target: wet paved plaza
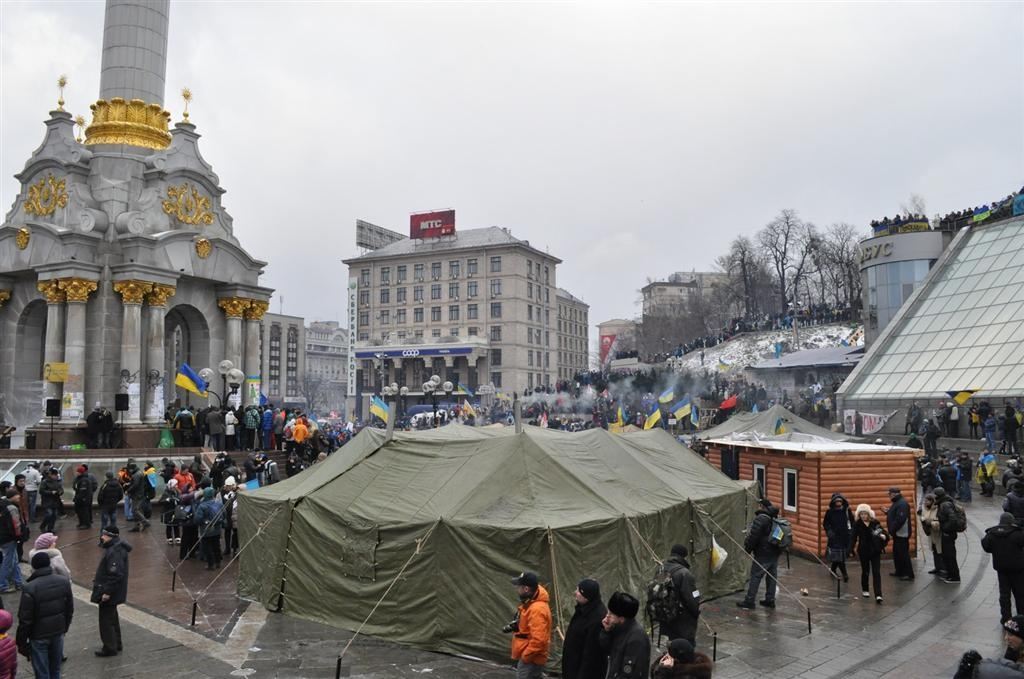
x=919 y=632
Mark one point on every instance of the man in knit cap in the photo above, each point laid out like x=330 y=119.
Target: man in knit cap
x=629 y=649
x=582 y=655
x=686 y=594
x=110 y=589
x=44 y=616
x=531 y=630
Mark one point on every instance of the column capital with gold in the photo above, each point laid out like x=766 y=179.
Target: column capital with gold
x=158 y=296
x=51 y=291
x=256 y=310
x=132 y=291
x=77 y=290
x=234 y=307
x=4 y=296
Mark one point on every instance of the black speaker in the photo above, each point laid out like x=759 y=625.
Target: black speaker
x=53 y=407
x=120 y=402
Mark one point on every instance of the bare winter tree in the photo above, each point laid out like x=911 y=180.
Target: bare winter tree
x=787 y=243
x=312 y=388
x=840 y=264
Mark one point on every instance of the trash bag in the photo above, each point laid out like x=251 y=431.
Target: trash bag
x=718 y=555
x=166 y=439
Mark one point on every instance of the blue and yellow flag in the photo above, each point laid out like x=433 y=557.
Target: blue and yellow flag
x=722 y=365
x=467 y=408
x=622 y=417
x=963 y=396
x=694 y=416
x=188 y=380
x=464 y=388
x=379 y=408
x=780 y=427
x=667 y=396
x=653 y=418
x=682 y=408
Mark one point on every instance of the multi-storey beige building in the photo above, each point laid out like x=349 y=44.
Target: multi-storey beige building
x=326 y=367
x=283 y=356
x=478 y=307
x=671 y=297
x=573 y=345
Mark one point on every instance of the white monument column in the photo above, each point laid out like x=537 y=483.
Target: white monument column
x=77 y=291
x=134 y=61
x=53 y=346
x=252 y=365
x=156 y=312
x=234 y=308
x=132 y=293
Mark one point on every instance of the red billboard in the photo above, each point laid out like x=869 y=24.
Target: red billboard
x=432 y=224
x=607 y=342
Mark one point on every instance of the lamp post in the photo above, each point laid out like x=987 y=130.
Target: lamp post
x=230 y=377
x=402 y=404
x=430 y=390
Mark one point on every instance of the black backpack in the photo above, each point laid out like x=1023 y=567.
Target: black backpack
x=663 y=603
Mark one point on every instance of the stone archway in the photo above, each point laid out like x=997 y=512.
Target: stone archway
x=26 y=390
x=186 y=340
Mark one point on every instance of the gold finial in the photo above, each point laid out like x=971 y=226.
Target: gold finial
x=62 y=81
x=186 y=94
x=80 y=122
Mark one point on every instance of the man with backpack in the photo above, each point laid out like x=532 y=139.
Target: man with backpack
x=138 y=492
x=952 y=520
x=209 y=518
x=1005 y=543
x=673 y=600
x=766 y=538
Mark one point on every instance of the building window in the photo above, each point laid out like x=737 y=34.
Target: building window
x=529 y=312
x=454 y=269
x=496 y=380
x=547 y=359
x=473 y=331
x=453 y=312
x=454 y=332
x=471 y=312
x=436 y=332
x=495 y=264
x=761 y=480
x=385 y=317
x=417 y=293
x=453 y=291
x=471 y=289
x=364 y=337
x=364 y=297
x=529 y=380
x=419 y=333
x=495 y=333
x=789 y=494
x=435 y=314
x=547 y=276
x=401 y=274
x=547 y=295
x=470 y=267
x=364 y=277
x=529 y=336
x=364 y=320
x=385 y=295
x=435 y=291
x=385 y=275
x=417 y=315
x=547 y=338
x=529 y=290
x=547 y=317
x=495 y=309
x=400 y=317
x=435 y=270
x=495 y=357
x=529 y=362
x=417 y=272
x=529 y=269
x=400 y=295
x=496 y=287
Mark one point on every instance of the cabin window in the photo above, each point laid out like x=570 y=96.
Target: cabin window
x=789 y=489
x=760 y=479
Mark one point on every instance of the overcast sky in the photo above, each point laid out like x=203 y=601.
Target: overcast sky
x=629 y=139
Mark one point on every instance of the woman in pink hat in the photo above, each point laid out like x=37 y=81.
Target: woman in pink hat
x=47 y=542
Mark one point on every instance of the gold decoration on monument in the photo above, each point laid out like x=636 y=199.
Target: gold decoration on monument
x=62 y=82
x=4 y=296
x=234 y=306
x=80 y=124
x=203 y=248
x=77 y=289
x=22 y=238
x=51 y=291
x=132 y=292
x=256 y=310
x=46 y=195
x=128 y=122
x=186 y=94
x=159 y=295
x=187 y=205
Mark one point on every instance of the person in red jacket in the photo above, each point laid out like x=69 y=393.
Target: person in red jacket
x=531 y=638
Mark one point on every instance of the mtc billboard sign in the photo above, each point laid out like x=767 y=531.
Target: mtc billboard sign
x=432 y=224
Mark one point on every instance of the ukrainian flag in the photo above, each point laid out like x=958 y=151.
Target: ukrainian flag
x=694 y=416
x=780 y=427
x=667 y=396
x=653 y=418
x=188 y=380
x=963 y=396
x=682 y=408
x=467 y=408
x=463 y=387
x=622 y=417
x=379 y=408
x=722 y=365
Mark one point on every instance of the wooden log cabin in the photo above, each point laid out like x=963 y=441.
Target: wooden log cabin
x=799 y=478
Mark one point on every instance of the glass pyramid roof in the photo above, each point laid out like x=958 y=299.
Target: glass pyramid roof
x=964 y=329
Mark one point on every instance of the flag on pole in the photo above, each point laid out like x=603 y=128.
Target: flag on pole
x=463 y=387
x=963 y=396
x=694 y=416
x=722 y=365
x=667 y=396
x=622 y=417
x=467 y=409
x=379 y=408
x=682 y=408
x=263 y=399
x=653 y=418
x=188 y=380
x=780 y=427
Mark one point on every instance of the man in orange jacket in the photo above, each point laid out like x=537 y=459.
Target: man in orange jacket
x=531 y=639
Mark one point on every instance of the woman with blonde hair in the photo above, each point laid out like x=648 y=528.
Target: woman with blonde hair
x=869 y=541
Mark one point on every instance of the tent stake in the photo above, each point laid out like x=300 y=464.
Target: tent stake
x=714 y=647
x=195 y=607
x=838 y=585
x=808 y=621
x=174 y=578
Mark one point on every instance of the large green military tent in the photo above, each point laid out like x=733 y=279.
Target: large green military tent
x=464 y=509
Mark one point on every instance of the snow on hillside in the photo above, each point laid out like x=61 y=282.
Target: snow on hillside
x=752 y=348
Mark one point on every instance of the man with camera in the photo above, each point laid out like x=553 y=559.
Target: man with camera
x=531 y=628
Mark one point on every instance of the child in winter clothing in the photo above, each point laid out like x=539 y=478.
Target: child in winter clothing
x=8 y=647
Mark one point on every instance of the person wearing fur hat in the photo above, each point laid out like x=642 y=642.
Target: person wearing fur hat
x=110 y=589
x=47 y=542
x=582 y=655
x=8 y=647
x=869 y=541
x=684 y=584
x=680 y=661
x=629 y=648
x=44 y=617
x=531 y=629
x=1005 y=543
x=838 y=524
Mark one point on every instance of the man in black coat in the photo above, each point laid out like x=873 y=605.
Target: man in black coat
x=44 y=616
x=84 y=488
x=684 y=584
x=899 y=526
x=766 y=557
x=629 y=649
x=110 y=589
x=947 y=474
x=582 y=654
x=946 y=517
x=108 y=497
x=50 y=490
x=1005 y=543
